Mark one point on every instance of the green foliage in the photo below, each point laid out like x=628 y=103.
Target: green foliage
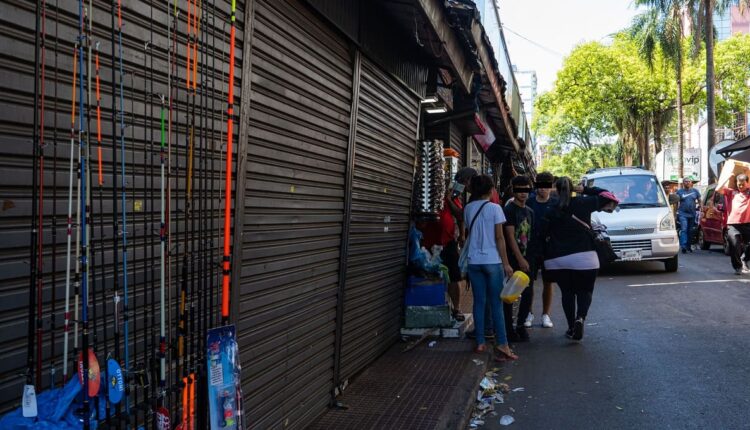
x=612 y=90
x=575 y=162
x=732 y=62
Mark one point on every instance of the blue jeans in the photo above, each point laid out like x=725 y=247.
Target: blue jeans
x=687 y=224
x=486 y=284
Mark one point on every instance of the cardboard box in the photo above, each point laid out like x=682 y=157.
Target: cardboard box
x=732 y=167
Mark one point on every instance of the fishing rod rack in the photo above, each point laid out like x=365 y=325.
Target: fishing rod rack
x=139 y=172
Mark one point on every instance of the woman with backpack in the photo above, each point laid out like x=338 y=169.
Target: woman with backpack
x=570 y=257
x=488 y=264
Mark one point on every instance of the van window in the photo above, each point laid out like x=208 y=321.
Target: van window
x=634 y=191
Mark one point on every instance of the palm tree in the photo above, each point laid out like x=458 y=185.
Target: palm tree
x=660 y=28
x=701 y=15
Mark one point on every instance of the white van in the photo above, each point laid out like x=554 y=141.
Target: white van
x=643 y=225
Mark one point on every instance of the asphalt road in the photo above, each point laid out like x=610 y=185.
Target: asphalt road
x=660 y=351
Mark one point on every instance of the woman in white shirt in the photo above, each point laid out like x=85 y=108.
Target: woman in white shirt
x=488 y=263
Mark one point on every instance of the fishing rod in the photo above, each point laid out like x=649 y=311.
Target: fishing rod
x=40 y=222
x=102 y=270
x=100 y=267
x=203 y=226
x=162 y=267
x=70 y=217
x=115 y=221
x=31 y=384
x=123 y=197
x=226 y=260
x=84 y=237
x=53 y=310
x=134 y=244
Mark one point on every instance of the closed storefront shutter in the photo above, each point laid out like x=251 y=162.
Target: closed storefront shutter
x=293 y=215
x=383 y=172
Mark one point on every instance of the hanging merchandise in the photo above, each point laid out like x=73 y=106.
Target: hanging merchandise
x=223 y=366
x=93 y=372
x=224 y=390
x=429 y=180
x=115 y=381
x=29 y=401
x=124 y=223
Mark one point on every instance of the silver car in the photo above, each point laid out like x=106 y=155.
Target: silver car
x=643 y=225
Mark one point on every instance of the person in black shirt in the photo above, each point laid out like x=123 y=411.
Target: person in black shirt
x=569 y=254
x=541 y=202
x=518 y=234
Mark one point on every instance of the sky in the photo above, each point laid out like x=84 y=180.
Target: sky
x=558 y=26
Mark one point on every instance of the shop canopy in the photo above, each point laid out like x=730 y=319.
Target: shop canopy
x=740 y=145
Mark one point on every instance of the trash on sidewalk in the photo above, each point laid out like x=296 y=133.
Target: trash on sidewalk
x=487 y=384
x=519 y=389
x=474 y=423
x=477 y=361
x=432 y=344
x=506 y=420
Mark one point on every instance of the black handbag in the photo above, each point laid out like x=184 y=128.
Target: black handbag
x=602 y=244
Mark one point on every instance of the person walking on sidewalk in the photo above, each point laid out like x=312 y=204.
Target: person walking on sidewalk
x=689 y=200
x=541 y=202
x=487 y=262
x=738 y=221
x=569 y=254
x=519 y=228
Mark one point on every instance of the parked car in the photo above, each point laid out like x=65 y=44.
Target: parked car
x=712 y=228
x=643 y=225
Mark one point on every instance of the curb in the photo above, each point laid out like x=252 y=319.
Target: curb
x=464 y=396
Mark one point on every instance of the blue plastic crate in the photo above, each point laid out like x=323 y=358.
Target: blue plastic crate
x=425 y=292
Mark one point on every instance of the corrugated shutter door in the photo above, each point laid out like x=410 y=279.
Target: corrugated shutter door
x=458 y=143
x=294 y=208
x=383 y=173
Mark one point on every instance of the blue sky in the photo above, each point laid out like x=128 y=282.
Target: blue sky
x=558 y=26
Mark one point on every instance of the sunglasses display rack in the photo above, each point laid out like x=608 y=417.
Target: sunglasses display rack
x=429 y=181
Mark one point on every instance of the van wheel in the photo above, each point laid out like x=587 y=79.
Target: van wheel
x=702 y=241
x=671 y=264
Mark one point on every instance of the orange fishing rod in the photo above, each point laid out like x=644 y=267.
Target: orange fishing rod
x=226 y=261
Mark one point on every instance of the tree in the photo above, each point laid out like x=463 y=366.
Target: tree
x=660 y=28
x=576 y=111
x=701 y=13
x=576 y=162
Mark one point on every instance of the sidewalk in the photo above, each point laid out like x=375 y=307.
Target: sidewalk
x=423 y=388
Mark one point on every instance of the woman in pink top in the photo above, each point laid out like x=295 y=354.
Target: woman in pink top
x=738 y=222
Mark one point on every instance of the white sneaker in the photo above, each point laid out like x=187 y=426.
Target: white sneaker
x=529 y=320
x=547 y=321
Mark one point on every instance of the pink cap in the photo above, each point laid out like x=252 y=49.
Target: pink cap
x=609 y=196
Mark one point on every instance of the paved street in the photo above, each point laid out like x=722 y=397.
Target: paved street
x=661 y=351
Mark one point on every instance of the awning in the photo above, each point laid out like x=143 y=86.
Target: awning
x=739 y=145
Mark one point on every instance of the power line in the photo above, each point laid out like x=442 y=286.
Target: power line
x=538 y=45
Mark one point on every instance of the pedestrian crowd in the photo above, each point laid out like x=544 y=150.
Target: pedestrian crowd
x=543 y=228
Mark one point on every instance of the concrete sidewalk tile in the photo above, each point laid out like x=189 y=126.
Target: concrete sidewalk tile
x=425 y=388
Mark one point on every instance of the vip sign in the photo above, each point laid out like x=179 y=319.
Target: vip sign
x=691 y=164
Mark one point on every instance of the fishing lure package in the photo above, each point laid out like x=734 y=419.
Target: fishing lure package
x=224 y=379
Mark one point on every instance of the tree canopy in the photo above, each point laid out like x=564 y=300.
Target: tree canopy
x=610 y=92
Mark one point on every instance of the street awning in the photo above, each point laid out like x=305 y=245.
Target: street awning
x=739 y=145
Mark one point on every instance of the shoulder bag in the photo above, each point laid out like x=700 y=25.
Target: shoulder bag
x=602 y=244
x=463 y=259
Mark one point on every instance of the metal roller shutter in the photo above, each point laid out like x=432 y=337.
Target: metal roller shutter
x=387 y=125
x=293 y=216
x=458 y=143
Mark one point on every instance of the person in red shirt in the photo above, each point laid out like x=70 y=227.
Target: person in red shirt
x=448 y=232
x=738 y=221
